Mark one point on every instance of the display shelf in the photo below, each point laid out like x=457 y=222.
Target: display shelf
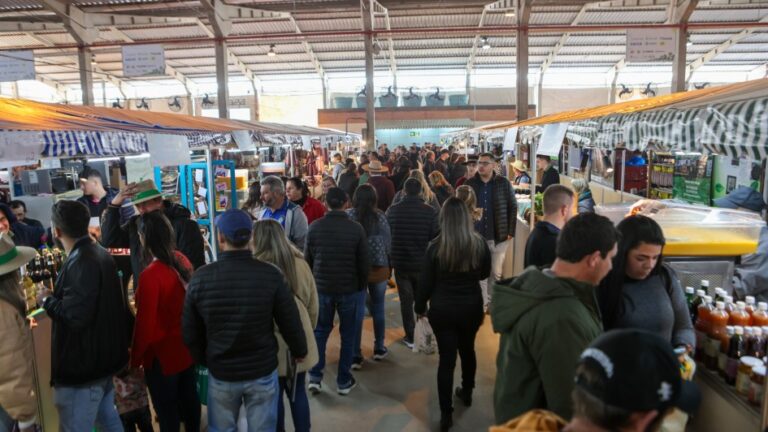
x=722 y=407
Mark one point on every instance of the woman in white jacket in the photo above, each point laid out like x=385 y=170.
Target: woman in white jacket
x=18 y=401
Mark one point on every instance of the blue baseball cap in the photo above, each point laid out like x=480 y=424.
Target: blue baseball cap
x=236 y=225
x=742 y=197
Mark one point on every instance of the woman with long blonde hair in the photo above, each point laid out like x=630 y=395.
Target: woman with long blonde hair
x=426 y=192
x=440 y=186
x=455 y=263
x=270 y=245
x=467 y=194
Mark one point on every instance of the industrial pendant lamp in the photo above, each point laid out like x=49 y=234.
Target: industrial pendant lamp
x=271 y=52
x=485 y=45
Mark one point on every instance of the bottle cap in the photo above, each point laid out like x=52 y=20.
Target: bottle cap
x=689 y=290
x=708 y=299
x=701 y=293
x=763 y=306
x=729 y=329
x=739 y=330
x=765 y=330
x=705 y=283
x=741 y=305
x=750 y=299
x=729 y=299
x=748 y=331
x=720 y=304
x=757 y=331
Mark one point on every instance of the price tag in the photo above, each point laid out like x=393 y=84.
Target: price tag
x=203 y=192
x=201 y=208
x=199 y=176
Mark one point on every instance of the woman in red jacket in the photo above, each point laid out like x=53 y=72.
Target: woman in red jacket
x=157 y=340
x=298 y=193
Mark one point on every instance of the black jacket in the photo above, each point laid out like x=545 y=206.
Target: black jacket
x=229 y=311
x=446 y=290
x=23 y=234
x=189 y=241
x=348 y=182
x=541 y=247
x=550 y=177
x=91 y=320
x=413 y=224
x=504 y=205
x=337 y=253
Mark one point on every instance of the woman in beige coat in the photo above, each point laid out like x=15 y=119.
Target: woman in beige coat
x=270 y=245
x=18 y=401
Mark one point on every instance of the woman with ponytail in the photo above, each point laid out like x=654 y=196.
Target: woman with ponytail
x=157 y=340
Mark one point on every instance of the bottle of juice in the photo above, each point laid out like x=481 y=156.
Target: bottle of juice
x=720 y=294
x=739 y=316
x=722 y=358
x=694 y=307
x=751 y=305
x=718 y=321
x=702 y=326
x=756 y=344
x=730 y=306
x=736 y=349
x=760 y=317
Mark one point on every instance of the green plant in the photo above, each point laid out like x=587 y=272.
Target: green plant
x=538 y=202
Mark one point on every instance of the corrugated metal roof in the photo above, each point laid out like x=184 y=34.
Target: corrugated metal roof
x=169 y=32
x=728 y=14
x=256 y=27
x=553 y=18
x=19 y=5
x=607 y=16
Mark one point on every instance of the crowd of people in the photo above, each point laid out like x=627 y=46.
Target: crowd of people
x=593 y=318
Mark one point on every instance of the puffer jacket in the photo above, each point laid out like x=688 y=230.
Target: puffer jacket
x=413 y=224
x=306 y=303
x=545 y=323
x=17 y=375
x=91 y=327
x=337 y=253
x=228 y=317
x=504 y=205
x=586 y=202
x=189 y=241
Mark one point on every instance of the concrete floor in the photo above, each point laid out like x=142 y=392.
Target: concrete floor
x=400 y=392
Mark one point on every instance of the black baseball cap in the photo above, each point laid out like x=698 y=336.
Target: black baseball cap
x=640 y=372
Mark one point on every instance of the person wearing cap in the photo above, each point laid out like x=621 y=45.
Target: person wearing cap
x=550 y=175
x=91 y=326
x=337 y=253
x=546 y=317
x=18 y=399
x=471 y=170
x=19 y=208
x=97 y=197
x=385 y=189
x=499 y=219
x=147 y=198
x=230 y=310
x=751 y=274
x=625 y=381
x=277 y=206
x=157 y=344
x=520 y=170
x=22 y=234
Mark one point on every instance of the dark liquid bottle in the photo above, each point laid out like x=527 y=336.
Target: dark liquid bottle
x=694 y=306
x=737 y=348
x=756 y=343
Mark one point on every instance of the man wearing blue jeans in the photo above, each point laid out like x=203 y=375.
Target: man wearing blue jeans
x=90 y=326
x=227 y=324
x=337 y=253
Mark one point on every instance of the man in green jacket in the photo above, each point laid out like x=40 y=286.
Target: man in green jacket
x=546 y=318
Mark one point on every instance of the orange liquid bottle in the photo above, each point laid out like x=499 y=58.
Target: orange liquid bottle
x=718 y=321
x=702 y=326
x=760 y=317
x=751 y=305
x=739 y=316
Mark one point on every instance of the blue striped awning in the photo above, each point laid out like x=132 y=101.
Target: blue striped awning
x=92 y=143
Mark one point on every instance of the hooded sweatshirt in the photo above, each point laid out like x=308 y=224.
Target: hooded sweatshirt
x=545 y=323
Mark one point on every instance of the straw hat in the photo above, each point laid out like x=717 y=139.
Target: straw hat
x=375 y=166
x=11 y=256
x=144 y=191
x=520 y=166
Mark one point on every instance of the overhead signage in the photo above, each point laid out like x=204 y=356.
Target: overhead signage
x=243 y=140
x=510 y=137
x=138 y=169
x=168 y=150
x=552 y=139
x=21 y=147
x=143 y=60
x=17 y=65
x=650 y=45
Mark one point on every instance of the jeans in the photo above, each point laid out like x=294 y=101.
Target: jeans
x=377 y=292
x=299 y=406
x=498 y=253
x=6 y=422
x=455 y=330
x=80 y=408
x=174 y=398
x=407 y=284
x=139 y=419
x=259 y=396
x=346 y=305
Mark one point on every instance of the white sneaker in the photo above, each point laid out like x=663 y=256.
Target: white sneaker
x=315 y=387
x=345 y=391
x=408 y=343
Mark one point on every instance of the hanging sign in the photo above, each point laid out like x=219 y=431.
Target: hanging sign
x=21 y=147
x=243 y=140
x=168 y=150
x=509 y=139
x=143 y=60
x=138 y=169
x=552 y=139
x=650 y=45
x=17 y=65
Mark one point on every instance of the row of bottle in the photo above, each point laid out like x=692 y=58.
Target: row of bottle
x=41 y=273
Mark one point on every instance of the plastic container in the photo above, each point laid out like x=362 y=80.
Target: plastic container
x=702 y=327
x=760 y=317
x=751 y=305
x=757 y=385
x=744 y=374
x=718 y=322
x=342 y=102
x=458 y=100
x=739 y=316
x=694 y=307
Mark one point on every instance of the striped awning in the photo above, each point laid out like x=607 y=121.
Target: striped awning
x=92 y=143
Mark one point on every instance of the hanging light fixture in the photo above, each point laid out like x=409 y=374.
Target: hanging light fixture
x=688 y=41
x=485 y=45
x=271 y=52
x=509 y=13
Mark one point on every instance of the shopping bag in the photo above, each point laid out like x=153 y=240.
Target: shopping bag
x=202 y=384
x=423 y=337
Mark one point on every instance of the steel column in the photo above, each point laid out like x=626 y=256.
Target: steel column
x=84 y=59
x=370 y=114
x=521 y=58
x=222 y=78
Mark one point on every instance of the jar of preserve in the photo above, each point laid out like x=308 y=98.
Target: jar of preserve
x=757 y=386
x=744 y=374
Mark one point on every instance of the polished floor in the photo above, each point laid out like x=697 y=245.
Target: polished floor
x=400 y=392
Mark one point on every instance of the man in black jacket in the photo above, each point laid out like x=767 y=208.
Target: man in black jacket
x=540 y=249
x=497 y=199
x=91 y=328
x=147 y=198
x=337 y=253
x=414 y=225
x=550 y=176
x=227 y=325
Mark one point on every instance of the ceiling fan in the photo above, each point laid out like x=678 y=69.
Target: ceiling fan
x=648 y=91
x=142 y=104
x=207 y=102
x=174 y=104
x=626 y=92
x=117 y=104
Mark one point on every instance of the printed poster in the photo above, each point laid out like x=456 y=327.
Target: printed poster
x=650 y=45
x=17 y=65
x=143 y=60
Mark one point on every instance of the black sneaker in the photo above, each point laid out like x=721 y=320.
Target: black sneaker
x=464 y=396
x=357 y=363
x=379 y=355
x=345 y=390
x=315 y=387
x=407 y=342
